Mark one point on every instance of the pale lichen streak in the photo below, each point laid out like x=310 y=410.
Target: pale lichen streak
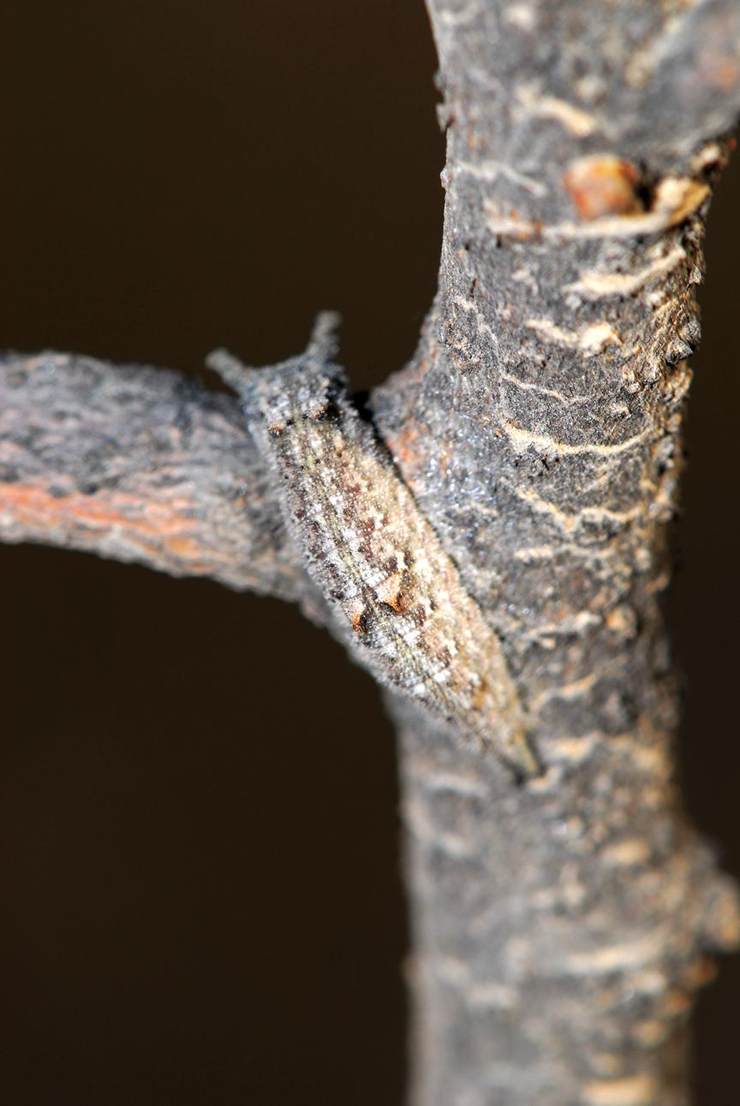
x=395 y=594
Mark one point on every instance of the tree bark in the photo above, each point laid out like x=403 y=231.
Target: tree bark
x=560 y=926
x=138 y=464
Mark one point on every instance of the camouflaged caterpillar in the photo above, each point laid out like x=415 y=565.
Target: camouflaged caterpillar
x=395 y=594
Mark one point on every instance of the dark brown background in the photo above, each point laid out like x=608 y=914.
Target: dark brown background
x=200 y=897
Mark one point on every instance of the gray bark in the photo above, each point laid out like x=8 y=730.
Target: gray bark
x=562 y=926
x=560 y=929
x=140 y=465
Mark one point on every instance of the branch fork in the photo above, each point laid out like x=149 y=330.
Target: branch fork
x=488 y=538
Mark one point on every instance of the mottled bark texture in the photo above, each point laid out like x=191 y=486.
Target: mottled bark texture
x=139 y=465
x=560 y=929
x=561 y=926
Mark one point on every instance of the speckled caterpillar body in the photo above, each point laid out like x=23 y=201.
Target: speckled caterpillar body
x=395 y=593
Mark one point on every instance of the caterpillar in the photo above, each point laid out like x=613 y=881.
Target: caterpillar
x=396 y=596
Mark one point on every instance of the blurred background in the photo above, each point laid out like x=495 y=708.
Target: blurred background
x=200 y=899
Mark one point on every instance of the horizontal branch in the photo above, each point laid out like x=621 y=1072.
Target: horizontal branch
x=138 y=464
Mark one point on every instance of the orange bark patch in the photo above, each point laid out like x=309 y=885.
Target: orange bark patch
x=405 y=448
x=603 y=185
x=142 y=521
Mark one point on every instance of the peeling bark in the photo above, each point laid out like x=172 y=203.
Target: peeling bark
x=562 y=926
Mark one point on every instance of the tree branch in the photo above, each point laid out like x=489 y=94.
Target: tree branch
x=561 y=927
x=141 y=465
x=560 y=930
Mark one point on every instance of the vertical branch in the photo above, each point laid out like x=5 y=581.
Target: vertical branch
x=562 y=929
